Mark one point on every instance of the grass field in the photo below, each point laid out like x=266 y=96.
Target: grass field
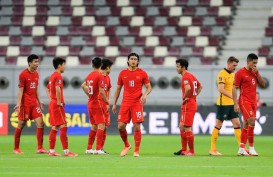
x=156 y=159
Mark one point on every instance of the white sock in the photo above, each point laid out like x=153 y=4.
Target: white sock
x=52 y=150
x=66 y=151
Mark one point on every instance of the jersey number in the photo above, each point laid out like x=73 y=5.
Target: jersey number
x=90 y=87
x=194 y=87
x=132 y=83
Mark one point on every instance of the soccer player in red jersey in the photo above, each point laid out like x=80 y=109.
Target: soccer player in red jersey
x=132 y=78
x=94 y=89
x=105 y=70
x=191 y=87
x=246 y=79
x=55 y=94
x=29 y=104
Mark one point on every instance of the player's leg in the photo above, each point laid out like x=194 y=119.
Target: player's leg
x=124 y=117
x=64 y=141
x=17 y=136
x=237 y=129
x=243 y=139
x=183 y=139
x=137 y=138
x=188 y=115
x=99 y=138
x=104 y=139
x=190 y=140
x=250 y=136
x=91 y=139
x=52 y=140
x=214 y=137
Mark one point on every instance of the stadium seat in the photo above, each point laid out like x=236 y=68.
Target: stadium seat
x=158 y=61
x=72 y=61
x=160 y=51
x=102 y=41
x=189 y=41
x=169 y=61
x=11 y=60
x=140 y=41
x=65 y=40
x=152 y=41
x=101 y=20
x=174 y=51
x=125 y=11
x=13 y=51
x=99 y=51
x=140 y=11
x=14 y=40
x=202 y=41
x=98 y=31
x=111 y=51
x=76 y=2
x=114 y=41
x=148 y=51
x=40 y=20
x=110 y=31
x=38 y=40
x=4 y=40
x=149 y=21
x=30 y=11
x=197 y=51
x=25 y=50
x=85 y=60
x=121 y=61
x=78 y=11
x=124 y=51
x=53 y=40
x=169 y=2
x=3 y=51
x=4 y=30
x=90 y=10
x=38 y=31
x=263 y=51
x=88 y=21
x=133 y=31
x=21 y=61
x=50 y=30
x=90 y=40
x=50 y=51
x=182 y=2
x=17 y=20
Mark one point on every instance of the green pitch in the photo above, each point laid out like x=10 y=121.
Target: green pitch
x=156 y=159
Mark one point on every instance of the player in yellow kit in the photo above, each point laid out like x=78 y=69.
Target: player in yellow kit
x=225 y=104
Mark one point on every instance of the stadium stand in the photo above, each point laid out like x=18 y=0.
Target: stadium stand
x=156 y=29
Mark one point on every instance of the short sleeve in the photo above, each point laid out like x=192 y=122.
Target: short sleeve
x=237 y=79
x=221 y=78
x=185 y=80
x=22 y=80
x=101 y=81
x=145 y=78
x=110 y=85
x=58 y=80
x=120 y=81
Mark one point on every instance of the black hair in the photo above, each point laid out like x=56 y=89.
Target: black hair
x=133 y=54
x=182 y=62
x=106 y=63
x=58 y=61
x=252 y=57
x=96 y=62
x=32 y=57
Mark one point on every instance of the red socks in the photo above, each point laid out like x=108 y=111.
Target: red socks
x=243 y=138
x=190 y=140
x=137 y=137
x=104 y=138
x=250 y=136
x=124 y=136
x=17 y=135
x=183 y=140
x=40 y=137
x=91 y=139
x=52 y=138
x=99 y=137
x=63 y=137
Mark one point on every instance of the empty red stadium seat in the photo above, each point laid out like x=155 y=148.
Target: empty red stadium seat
x=25 y=50
x=204 y=2
x=164 y=11
x=110 y=31
x=115 y=11
x=50 y=51
x=85 y=60
x=67 y=10
x=26 y=30
x=269 y=31
x=270 y=21
x=18 y=10
x=148 y=51
x=111 y=2
x=189 y=41
x=74 y=30
x=164 y=41
x=15 y=40
x=182 y=31
x=38 y=40
x=3 y=51
x=214 y=41
x=158 y=30
x=140 y=41
x=4 y=30
x=18 y=2
x=65 y=2
x=228 y=2
x=114 y=41
x=90 y=40
x=189 y=11
x=101 y=20
x=42 y=10
x=158 y=61
x=213 y=11
x=197 y=21
x=41 y=2
x=40 y=20
x=269 y=61
x=65 y=40
x=263 y=51
x=17 y=20
x=173 y=21
x=221 y=21
x=74 y=50
x=174 y=51
x=149 y=21
x=76 y=21
x=182 y=2
x=90 y=10
x=99 y=51
x=84 y=30
x=11 y=60
x=124 y=51
x=207 y=60
x=135 y=2
x=50 y=30
x=125 y=21
x=133 y=31
x=205 y=31
x=197 y=51
x=140 y=11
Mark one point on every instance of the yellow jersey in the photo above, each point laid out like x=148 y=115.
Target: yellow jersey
x=225 y=77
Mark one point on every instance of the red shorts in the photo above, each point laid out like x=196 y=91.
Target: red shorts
x=29 y=112
x=187 y=114
x=56 y=114
x=134 y=112
x=96 y=115
x=248 y=109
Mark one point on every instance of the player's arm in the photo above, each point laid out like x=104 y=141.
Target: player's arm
x=58 y=96
x=199 y=88
x=41 y=104
x=261 y=81
x=108 y=97
x=221 y=89
x=146 y=93
x=116 y=96
x=85 y=89
x=103 y=95
x=187 y=91
x=19 y=99
x=234 y=97
x=48 y=94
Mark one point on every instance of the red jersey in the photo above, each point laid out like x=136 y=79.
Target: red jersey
x=190 y=79
x=247 y=82
x=133 y=82
x=94 y=82
x=30 y=83
x=55 y=79
x=107 y=85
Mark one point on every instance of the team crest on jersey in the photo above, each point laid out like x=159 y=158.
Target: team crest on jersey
x=186 y=81
x=220 y=78
x=59 y=81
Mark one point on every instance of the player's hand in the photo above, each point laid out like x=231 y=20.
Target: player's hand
x=185 y=100
x=255 y=70
x=236 y=108
x=114 y=109
x=17 y=108
x=143 y=99
x=42 y=105
x=60 y=104
x=107 y=108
